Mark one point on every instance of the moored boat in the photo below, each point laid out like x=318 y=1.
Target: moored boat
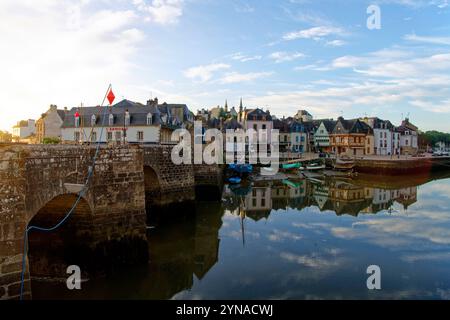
x=315 y=167
x=267 y=171
x=235 y=180
x=291 y=166
x=344 y=164
x=241 y=168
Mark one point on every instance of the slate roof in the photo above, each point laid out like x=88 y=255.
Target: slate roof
x=288 y=125
x=406 y=126
x=61 y=113
x=258 y=115
x=281 y=125
x=377 y=123
x=138 y=114
x=328 y=123
x=351 y=126
x=232 y=124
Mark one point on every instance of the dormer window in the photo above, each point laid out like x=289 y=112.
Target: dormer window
x=111 y=120
x=127 y=118
x=93 y=120
x=149 y=119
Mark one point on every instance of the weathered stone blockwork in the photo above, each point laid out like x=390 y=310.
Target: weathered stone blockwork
x=208 y=181
x=32 y=176
x=176 y=181
x=34 y=180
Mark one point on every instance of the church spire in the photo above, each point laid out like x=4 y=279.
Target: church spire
x=226 y=105
x=241 y=109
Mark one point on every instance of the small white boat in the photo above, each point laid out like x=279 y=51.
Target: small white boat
x=267 y=171
x=315 y=167
x=344 y=164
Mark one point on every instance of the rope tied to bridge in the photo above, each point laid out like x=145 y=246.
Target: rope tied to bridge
x=74 y=206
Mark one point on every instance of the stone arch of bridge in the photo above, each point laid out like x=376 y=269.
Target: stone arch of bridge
x=50 y=253
x=152 y=182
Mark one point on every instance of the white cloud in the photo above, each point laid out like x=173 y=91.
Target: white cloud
x=314 y=67
x=161 y=11
x=430 y=256
x=336 y=43
x=235 y=77
x=418 y=3
x=314 y=260
x=394 y=64
x=204 y=73
x=244 y=8
x=329 y=99
x=430 y=40
x=315 y=33
x=243 y=58
x=433 y=106
x=63 y=52
x=280 y=236
x=281 y=56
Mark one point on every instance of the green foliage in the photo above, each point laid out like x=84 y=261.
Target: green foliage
x=5 y=136
x=434 y=137
x=51 y=140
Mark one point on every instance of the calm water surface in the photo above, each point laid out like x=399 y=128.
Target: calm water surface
x=292 y=240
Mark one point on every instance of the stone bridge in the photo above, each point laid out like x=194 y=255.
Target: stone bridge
x=40 y=183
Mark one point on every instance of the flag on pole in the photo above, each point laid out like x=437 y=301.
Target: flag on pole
x=111 y=96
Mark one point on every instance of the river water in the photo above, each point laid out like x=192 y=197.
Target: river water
x=292 y=240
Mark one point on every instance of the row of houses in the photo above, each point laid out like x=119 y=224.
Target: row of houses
x=152 y=122
x=302 y=133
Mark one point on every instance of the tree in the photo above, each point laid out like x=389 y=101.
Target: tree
x=434 y=137
x=5 y=136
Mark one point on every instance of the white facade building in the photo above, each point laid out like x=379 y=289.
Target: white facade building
x=322 y=135
x=384 y=135
x=24 y=129
x=259 y=121
x=126 y=121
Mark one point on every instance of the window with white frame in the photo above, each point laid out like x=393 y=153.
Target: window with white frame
x=93 y=120
x=149 y=119
x=111 y=120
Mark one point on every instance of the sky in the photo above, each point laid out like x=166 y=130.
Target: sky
x=283 y=55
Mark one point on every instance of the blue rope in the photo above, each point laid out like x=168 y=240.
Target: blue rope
x=69 y=213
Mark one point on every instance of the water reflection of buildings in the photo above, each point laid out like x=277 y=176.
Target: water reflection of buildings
x=182 y=249
x=341 y=197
